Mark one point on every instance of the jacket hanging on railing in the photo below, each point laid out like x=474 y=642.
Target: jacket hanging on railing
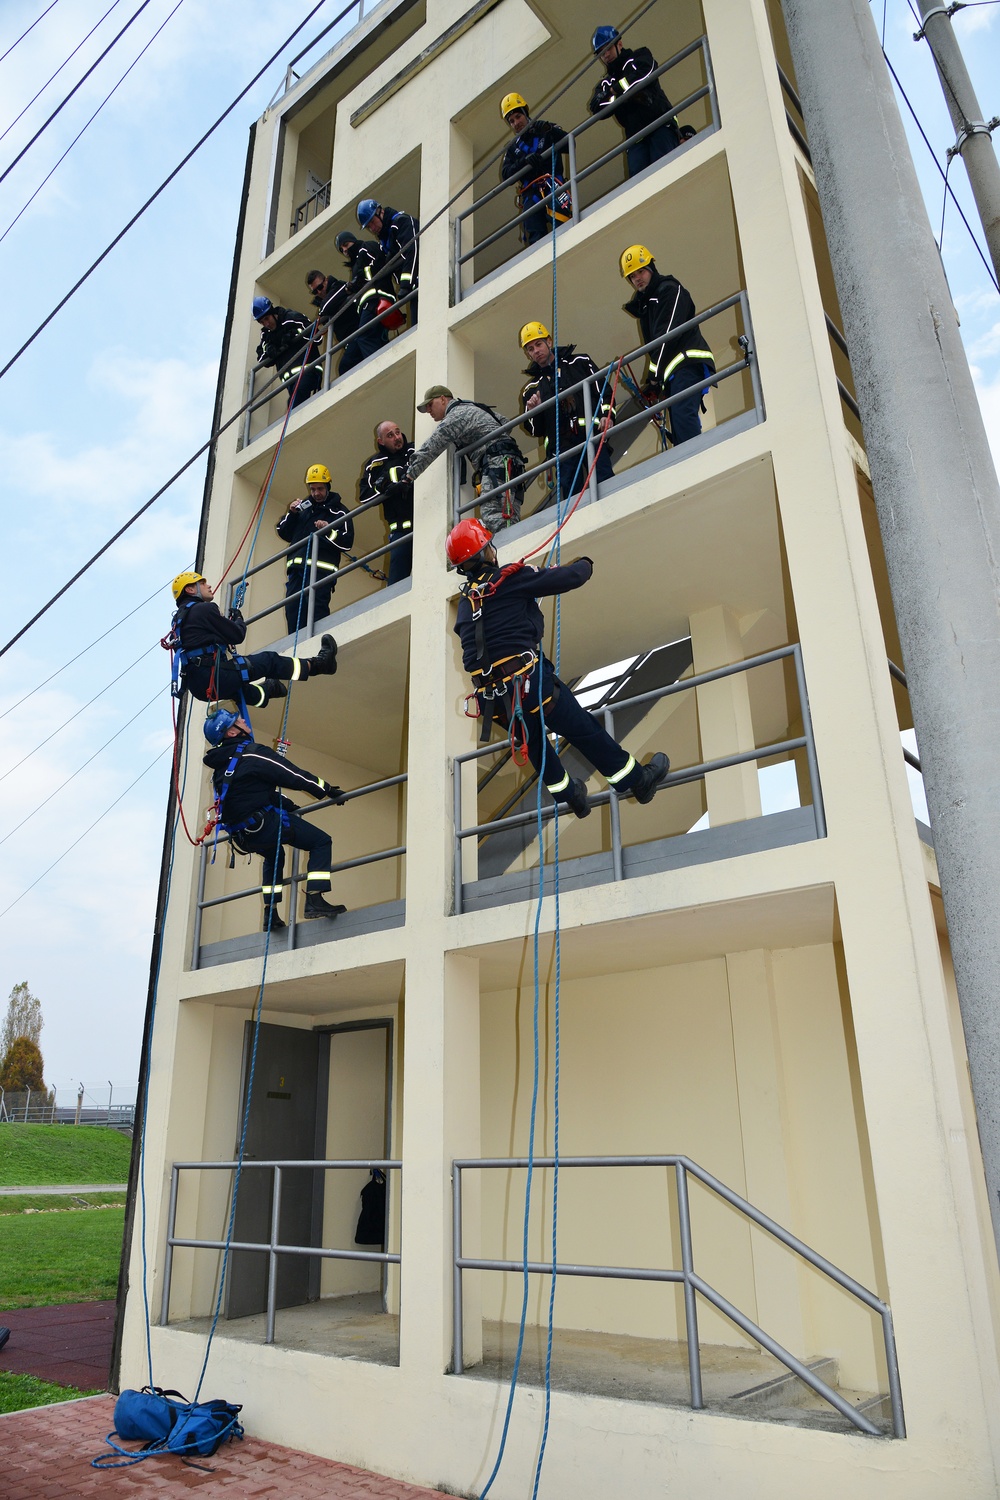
x=371 y=1220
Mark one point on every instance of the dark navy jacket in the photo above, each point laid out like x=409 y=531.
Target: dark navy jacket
x=530 y=153
x=255 y=781
x=639 y=106
x=512 y=621
x=385 y=475
x=665 y=304
x=203 y=624
x=280 y=345
x=298 y=526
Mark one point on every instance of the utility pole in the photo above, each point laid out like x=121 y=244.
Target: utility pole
x=935 y=486
x=973 y=143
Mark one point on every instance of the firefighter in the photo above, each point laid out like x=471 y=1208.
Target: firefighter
x=497 y=461
x=398 y=235
x=500 y=627
x=529 y=159
x=624 y=72
x=320 y=510
x=259 y=820
x=285 y=344
x=363 y=259
x=680 y=363
x=384 y=476
x=337 y=310
x=546 y=363
x=206 y=664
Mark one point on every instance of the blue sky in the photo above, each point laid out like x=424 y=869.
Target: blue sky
x=115 y=395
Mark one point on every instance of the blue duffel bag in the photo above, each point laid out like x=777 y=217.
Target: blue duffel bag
x=166 y=1422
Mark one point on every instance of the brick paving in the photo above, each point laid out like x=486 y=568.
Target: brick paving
x=47 y=1453
x=70 y=1344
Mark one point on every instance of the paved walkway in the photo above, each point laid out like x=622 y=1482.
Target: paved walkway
x=47 y=1453
x=41 y=1192
x=70 y=1344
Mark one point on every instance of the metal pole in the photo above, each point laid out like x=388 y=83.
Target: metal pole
x=311 y=596
x=614 y=809
x=456 y=771
x=272 y=1259
x=571 y=152
x=690 y=1299
x=111 y=1089
x=935 y=488
x=27 y=1101
x=199 y=910
x=457 y=274
x=168 y=1260
x=588 y=417
x=974 y=144
x=819 y=812
x=457 y=1311
x=249 y=411
x=293 y=900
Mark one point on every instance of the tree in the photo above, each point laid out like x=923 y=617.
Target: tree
x=23 y=1018
x=22 y=1067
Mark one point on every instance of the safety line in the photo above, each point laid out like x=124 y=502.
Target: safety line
x=52 y=78
x=24 y=33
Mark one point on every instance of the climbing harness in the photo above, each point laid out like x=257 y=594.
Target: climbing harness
x=558 y=208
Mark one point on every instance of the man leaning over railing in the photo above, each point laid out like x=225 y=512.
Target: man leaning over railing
x=660 y=304
x=639 y=106
x=498 y=460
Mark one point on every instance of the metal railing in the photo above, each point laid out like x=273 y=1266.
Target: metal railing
x=576 y=175
x=795 y=130
x=686 y=1276
x=311 y=208
x=272 y=1247
x=291 y=77
x=838 y=338
x=804 y=741
x=900 y=676
x=748 y=364
x=204 y=904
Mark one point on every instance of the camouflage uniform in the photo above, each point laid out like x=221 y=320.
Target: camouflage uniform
x=495 y=459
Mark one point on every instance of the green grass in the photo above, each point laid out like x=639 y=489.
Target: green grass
x=35 y=1203
x=61 y=1257
x=18 y=1392
x=43 y=1155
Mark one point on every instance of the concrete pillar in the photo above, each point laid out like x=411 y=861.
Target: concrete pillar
x=724 y=717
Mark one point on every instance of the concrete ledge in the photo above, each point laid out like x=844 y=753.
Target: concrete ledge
x=307 y=934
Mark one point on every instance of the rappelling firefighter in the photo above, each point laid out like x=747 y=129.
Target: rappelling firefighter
x=259 y=820
x=202 y=639
x=681 y=363
x=287 y=344
x=529 y=159
x=320 y=510
x=549 y=365
x=384 y=477
x=495 y=457
x=639 y=104
x=500 y=626
x=398 y=239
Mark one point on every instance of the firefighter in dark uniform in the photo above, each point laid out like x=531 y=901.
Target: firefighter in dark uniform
x=500 y=626
x=528 y=159
x=546 y=360
x=259 y=820
x=363 y=259
x=681 y=363
x=285 y=344
x=384 y=477
x=398 y=235
x=337 y=311
x=321 y=510
x=624 y=72
x=205 y=661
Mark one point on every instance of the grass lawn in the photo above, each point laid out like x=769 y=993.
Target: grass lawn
x=18 y=1392
x=47 y=1258
x=41 y=1155
x=47 y=1203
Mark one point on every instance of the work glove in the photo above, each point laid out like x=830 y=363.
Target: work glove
x=604 y=93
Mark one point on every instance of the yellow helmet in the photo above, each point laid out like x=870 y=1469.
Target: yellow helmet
x=634 y=258
x=532 y=331
x=181 y=582
x=510 y=102
x=318 y=474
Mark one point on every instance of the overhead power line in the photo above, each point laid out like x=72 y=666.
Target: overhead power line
x=24 y=33
x=53 y=76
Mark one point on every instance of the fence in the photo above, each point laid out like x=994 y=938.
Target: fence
x=42 y=1106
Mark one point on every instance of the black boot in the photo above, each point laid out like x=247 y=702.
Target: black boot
x=324 y=663
x=259 y=694
x=317 y=906
x=575 y=798
x=653 y=774
x=272 y=922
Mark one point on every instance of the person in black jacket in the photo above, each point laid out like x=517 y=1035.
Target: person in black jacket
x=528 y=159
x=398 y=238
x=384 y=476
x=546 y=362
x=337 y=310
x=321 y=510
x=205 y=660
x=682 y=363
x=285 y=344
x=363 y=258
x=500 y=627
x=624 y=72
x=246 y=777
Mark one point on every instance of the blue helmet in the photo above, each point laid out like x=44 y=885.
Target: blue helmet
x=367 y=209
x=218 y=724
x=261 y=307
x=603 y=37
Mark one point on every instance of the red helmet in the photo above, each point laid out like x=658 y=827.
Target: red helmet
x=465 y=540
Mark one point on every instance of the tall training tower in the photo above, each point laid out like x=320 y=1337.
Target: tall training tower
x=771 y=1194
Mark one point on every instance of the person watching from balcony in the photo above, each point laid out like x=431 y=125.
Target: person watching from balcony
x=496 y=460
x=384 y=478
x=549 y=365
x=337 y=311
x=363 y=259
x=259 y=820
x=320 y=510
x=285 y=345
x=202 y=640
x=500 y=627
x=682 y=362
x=529 y=160
x=398 y=239
x=624 y=73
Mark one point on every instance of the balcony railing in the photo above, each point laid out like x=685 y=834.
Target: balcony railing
x=311 y=208
x=579 y=175
x=784 y=748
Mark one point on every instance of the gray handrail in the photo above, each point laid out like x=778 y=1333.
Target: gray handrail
x=805 y=741
x=273 y=1247
x=693 y=1283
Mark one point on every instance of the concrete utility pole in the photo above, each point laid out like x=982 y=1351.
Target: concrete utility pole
x=935 y=486
x=973 y=144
